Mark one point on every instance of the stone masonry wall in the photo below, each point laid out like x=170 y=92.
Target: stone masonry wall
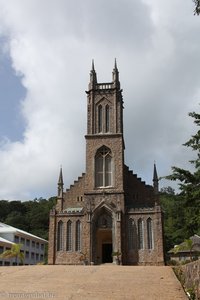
x=191 y=275
x=52 y=237
x=115 y=143
x=146 y=256
x=73 y=257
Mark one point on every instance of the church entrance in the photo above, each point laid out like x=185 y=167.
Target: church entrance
x=103 y=237
x=104 y=246
x=106 y=253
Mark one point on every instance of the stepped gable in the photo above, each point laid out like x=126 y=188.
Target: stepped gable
x=74 y=196
x=138 y=193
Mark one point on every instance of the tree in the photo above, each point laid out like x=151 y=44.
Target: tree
x=167 y=190
x=14 y=252
x=16 y=219
x=186 y=245
x=174 y=217
x=189 y=183
x=197 y=7
x=189 y=245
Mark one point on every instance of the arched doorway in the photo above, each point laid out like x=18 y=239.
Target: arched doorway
x=104 y=245
x=103 y=240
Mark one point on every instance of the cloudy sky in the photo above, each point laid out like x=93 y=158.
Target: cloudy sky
x=46 y=48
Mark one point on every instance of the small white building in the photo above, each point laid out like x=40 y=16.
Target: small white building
x=33 y=246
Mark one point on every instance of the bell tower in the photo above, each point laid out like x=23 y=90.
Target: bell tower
x=104 y=139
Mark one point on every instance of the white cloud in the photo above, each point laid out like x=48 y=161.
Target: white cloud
x=51 y=44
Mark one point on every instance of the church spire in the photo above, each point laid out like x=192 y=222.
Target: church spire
x=60 y=184
x=93 y=65
x=115 y=66
x=116 y=75
x=93 y=77
x=155 y=179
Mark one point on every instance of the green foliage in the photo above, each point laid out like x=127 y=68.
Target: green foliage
x=186 y=245
x=172 y=262
x=31 y=216
x=189 y=183
x=191 y=292
x=14 y=252
x=174 y=218
x=179 y=274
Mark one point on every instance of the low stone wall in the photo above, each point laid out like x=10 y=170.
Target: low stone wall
x=191 y=277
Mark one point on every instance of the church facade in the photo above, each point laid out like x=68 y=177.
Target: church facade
x=108 y=213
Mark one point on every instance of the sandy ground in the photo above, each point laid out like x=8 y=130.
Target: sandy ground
x=89 y=282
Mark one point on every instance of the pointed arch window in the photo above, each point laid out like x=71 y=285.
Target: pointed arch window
x=131 y=234
x=78 y=236
x=149 y=233
x=103 y=167
x=107 y=118
x=100 y=113
x=140 y=234
x=69 y=236
x=60 y=236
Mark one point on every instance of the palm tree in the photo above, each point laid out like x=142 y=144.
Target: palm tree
x=14 y=252
x=186 y=245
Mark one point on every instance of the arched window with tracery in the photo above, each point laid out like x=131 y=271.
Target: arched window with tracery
x=78 y=236
x=60 y=236
x=149 y=233
x=131 y=234
x=69 y=236
x=103 y=167
x=100 y=117
x=107 y=118
x=140 y=234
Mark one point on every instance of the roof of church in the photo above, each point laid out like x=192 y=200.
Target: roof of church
x=4 y=228
x=73 y=209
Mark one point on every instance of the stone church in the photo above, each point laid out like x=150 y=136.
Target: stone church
x=108 y=213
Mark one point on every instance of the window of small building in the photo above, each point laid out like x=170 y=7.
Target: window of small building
x=1 y=263
x=60 y=236
x=37 y=245
x=149 y=233
x=140 y=234
x=42 y=246
x=33 y=244
x=27 y=254
x=22 y=240
x=37 y=256
x=78 y=235
x=41 y=257
x=27 y=243
x=32 y=255
x=6 y=263
x=69 y=236
x=16 y=239
x=1 y=249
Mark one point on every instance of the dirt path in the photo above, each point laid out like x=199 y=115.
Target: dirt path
x=107 y=282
